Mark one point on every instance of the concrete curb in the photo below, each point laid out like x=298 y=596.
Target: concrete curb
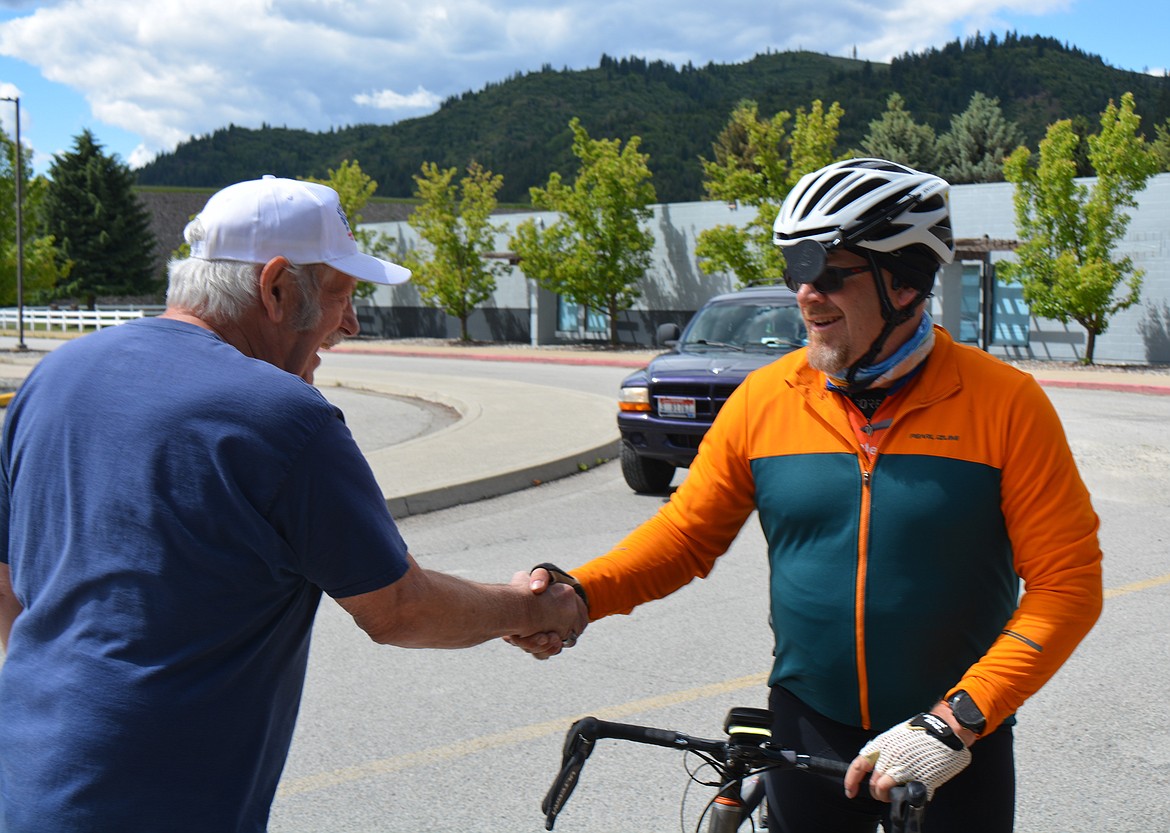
x=503 y=441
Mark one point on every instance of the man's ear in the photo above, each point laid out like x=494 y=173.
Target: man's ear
x=904 y=296
x=275 y=289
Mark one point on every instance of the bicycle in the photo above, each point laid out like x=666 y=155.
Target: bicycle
x=745 y=754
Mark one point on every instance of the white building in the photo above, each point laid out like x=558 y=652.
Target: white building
x=674 y=287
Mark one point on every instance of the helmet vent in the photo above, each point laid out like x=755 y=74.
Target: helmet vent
x=814 y=204
x=856 y=194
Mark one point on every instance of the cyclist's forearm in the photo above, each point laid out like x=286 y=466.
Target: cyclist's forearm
x=1054 y=534
x=651 y=562
x=1048 y=626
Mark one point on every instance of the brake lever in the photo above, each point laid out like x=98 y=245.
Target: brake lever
x=578 y=746
x=907 y=807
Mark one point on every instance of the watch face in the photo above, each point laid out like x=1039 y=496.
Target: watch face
x=966 y=712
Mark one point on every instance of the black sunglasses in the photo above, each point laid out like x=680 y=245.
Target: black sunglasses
x=830 y=279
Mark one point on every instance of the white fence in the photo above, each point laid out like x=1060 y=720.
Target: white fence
x=47 y=319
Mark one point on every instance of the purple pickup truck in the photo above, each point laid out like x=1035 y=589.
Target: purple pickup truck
x=666 y=407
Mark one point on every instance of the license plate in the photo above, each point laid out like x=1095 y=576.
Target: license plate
x=677 y=407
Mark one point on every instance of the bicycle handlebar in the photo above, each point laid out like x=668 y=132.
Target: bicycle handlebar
x=751 y=753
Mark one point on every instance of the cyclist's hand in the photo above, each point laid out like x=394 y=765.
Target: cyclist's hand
x=924 y=748
x=545 y=644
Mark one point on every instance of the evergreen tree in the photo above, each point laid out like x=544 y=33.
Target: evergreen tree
x=898 y=138
x=43 y=265
x=1160 y=147
x=597 y=251
x=99 y=224
x=978 y=141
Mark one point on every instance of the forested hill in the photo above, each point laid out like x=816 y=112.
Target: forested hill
x=519 y=127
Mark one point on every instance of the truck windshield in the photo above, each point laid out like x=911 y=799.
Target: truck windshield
x=746 y=327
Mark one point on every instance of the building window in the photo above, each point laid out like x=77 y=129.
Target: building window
x=576 y=322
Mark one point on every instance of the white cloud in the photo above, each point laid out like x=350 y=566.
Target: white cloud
x=420 y=99
x=165 y=70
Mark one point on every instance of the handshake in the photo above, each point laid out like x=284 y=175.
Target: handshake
x=568 y=596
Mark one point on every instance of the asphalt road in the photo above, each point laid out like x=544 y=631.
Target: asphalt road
x=398 y=740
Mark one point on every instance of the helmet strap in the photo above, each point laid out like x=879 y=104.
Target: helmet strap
x=891 y=315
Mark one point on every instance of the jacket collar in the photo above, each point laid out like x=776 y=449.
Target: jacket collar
x=938 y=379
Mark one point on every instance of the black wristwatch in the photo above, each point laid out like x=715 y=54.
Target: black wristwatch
x=563 y=577
x=966 y=713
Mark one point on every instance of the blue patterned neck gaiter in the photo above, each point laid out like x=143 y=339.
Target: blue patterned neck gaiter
x=899 y=365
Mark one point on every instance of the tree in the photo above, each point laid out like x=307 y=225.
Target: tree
x=100 y=224
x=1160 y=147
x=455 y=222
x=1068 y=229
x=978 y=141
x=43 y=265
x=756 y=164
x=898 y=138
x=355 y=188
x=597 y=250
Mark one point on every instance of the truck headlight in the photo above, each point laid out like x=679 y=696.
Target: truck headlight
x=634 y=399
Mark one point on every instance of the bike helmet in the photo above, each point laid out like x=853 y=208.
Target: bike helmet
x=873 y=206
x=895 y=217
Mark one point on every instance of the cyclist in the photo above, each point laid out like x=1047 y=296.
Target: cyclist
x=906 y=485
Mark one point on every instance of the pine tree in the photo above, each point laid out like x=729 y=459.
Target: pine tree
x=898 y=138
x=99 y=224
x=979 y=140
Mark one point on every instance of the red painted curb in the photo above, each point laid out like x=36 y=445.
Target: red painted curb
x=633 y=363
x=1119 y=387
x=496 y=357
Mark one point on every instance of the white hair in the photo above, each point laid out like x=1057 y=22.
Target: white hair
x=222 y=291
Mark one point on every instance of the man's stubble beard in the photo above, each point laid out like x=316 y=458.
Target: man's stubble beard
x=832 y=359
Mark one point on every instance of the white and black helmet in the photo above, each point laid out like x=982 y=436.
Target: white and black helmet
x=874 y=205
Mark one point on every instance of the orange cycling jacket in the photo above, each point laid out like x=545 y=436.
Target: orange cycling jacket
x=895 y=571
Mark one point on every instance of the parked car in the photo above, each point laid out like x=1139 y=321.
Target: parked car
x=666 y=407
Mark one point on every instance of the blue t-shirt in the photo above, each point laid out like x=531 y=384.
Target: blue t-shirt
x=171 y=511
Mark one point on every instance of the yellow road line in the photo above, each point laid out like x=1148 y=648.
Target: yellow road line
x=521 y=734
x=1125 y=589
x=324 y=780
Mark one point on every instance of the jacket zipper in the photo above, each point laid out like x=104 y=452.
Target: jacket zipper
x=859 y=599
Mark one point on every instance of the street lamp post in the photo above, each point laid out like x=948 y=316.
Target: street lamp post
x=19 y=174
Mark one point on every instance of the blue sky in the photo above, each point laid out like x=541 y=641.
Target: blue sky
x=144 y=75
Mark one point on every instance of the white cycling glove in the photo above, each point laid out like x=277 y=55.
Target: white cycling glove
x=924 y=748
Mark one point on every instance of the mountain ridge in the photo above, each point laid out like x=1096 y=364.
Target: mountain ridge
x=518 y=127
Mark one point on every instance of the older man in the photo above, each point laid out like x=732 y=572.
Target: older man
x=174 y=499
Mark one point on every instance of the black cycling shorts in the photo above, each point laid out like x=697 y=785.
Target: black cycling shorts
x=980 y=799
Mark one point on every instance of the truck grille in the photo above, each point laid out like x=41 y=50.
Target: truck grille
x=709 y=398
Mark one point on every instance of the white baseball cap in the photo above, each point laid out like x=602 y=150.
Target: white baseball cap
x=260 y=219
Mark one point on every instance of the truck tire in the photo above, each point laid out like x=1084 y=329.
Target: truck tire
x=645 y=475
